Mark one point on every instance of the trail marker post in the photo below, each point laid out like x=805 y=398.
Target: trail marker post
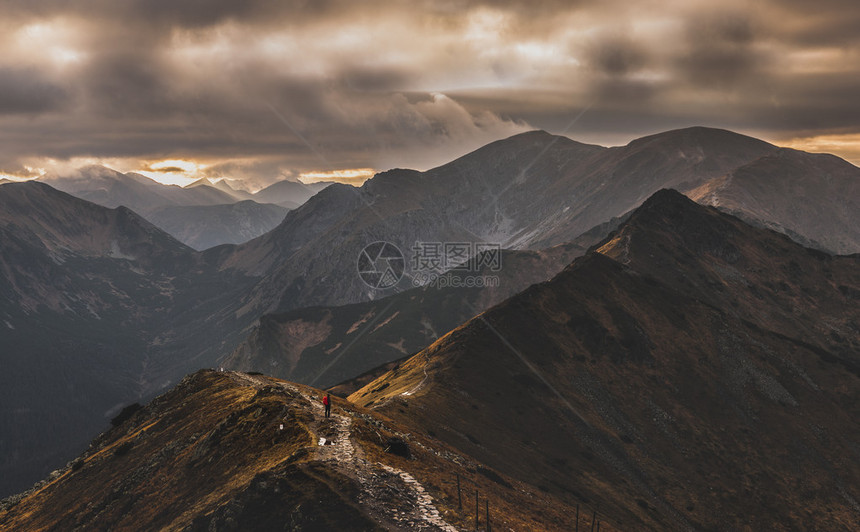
x=476 y=509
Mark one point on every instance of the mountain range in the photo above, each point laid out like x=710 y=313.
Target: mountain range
x=288 y=193
x=814 y=198
x=99 y=307
x=139 y=193
x=223 y=186
x=248 y=452
x=324 y=346
x=97 y=299
x=203 y=214
x=574 y=185
x=689 y=372
x=533 y=191
x=206 y=226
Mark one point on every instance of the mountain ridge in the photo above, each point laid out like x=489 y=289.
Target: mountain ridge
x=99 y=307
x=621 y=381
x=205 y=226
x=323 y=346
x=252 y=452
x=579 y=187
x=748 y=190
x=176 y=310
x=62 y=233
x=110 y=188
x=171 y=207
x=655 y=382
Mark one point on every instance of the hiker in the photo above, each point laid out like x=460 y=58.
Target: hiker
x=327 y=403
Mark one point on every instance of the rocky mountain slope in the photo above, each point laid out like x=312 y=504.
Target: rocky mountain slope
x=532 y=190
x=201 y=215
x=141 y=194
x=691 y=373
x=98 y=308
x=814 y=198
x=322 y=346
x=287 y=193
x=118 y=301
x=206 y=226
x=223 y=186
x=247 y=452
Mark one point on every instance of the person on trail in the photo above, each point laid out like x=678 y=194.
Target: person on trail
x=327 y=403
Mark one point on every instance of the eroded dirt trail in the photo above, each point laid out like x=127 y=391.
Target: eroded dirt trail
x=392 y=496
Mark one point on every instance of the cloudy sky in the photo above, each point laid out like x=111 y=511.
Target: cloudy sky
x=267 y=89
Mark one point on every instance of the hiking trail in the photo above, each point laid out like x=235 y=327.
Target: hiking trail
x=390 y=493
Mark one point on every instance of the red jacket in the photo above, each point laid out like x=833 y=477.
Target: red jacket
x=325 y=400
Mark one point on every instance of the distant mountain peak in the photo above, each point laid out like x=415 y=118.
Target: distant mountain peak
x=667 y=196
x=36 y=191
x=540 y=136
x=665 y=202
x=667 y=215
x=535 y=133
x=199 y=182
x=705 y=136
x=68 y=224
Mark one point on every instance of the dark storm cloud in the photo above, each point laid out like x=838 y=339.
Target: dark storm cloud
x=28 y=91
x=274 y=88
x=186 y=13
x=197 y=13
x=825 y=102
x=719 y=49
x=127 y=83
x=375 y=79
x=614 y=62
x=171 y=170
x=819 y=23
x=534 y=7
x=616 y=56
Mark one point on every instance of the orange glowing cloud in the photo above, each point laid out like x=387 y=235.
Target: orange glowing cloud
x=173 y=171
x=846 y=146
x=353 y=176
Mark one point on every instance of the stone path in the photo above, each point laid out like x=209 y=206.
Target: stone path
x=387 y=492
x=428 y=512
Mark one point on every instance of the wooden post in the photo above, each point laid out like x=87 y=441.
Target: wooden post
x=476 y=509
x=459 y=497
x=577 y=518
